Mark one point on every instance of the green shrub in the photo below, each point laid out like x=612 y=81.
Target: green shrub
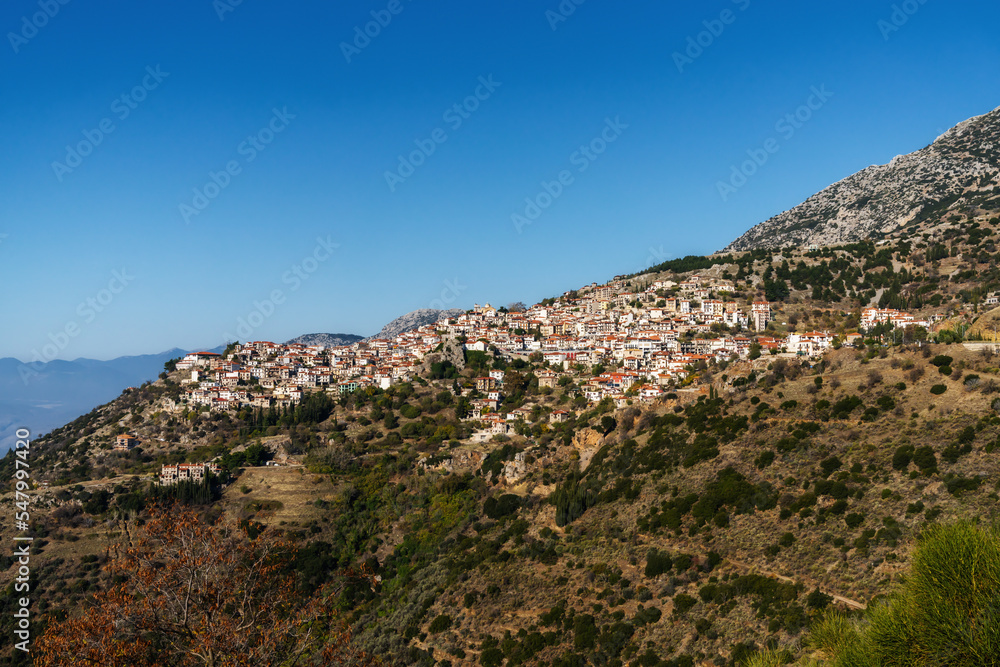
x=952 y=453
x=925 y=459
x=765 y=459
x=608 y=424
x=769 y=658
x=584 y=631
x=708 y=592
x=732 y=488
x=844 y=407
x=682 y=562
x=657 y=563
x=938 y=389
x=886 y=403
x=836 y=490
x=647 y=616
x=830 y=465
x=505 y=505
x=833 y=635
x=491 y=657
x=957 y=484
x=439 y=624
x=818 y=599
x=901 y=459
x=787 y=444
x=683 y=602
x=941 y=360
x=945 y=614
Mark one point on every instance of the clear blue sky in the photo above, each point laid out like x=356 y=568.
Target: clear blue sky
x=447 y=227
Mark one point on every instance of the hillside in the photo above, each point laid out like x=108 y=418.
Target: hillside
x=634 y=473
x=701 y=525
x=958 y=173
x=728 y=514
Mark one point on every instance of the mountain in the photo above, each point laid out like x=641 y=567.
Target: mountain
x=726 y=515
x=697 y=525
x=326 y=339
x=960 y=171
x=43 y=396
x=415 y=319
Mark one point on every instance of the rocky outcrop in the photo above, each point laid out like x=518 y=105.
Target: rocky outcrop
x=514 y=470
x=587 y=442
x=415 y=319
x=401 y=324
x=450 y=351
x=960 y=171
x=986 y=328
x=325 y=339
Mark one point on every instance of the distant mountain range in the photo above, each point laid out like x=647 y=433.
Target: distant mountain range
x=44 y=396
x=959 y=172
x=41 y=397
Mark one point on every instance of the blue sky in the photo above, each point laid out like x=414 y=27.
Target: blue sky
x=242 y=187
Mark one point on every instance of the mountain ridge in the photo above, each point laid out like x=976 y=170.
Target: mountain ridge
x=45 y=395
x=960 y=170
x=415 y=319
x=325 y=339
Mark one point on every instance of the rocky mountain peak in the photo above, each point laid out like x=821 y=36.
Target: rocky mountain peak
x=960 y=171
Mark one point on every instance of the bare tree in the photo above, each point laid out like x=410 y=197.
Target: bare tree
x=197 y=593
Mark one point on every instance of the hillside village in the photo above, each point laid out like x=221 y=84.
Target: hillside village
x=565 y=428
x=642 y=343
x=649 y=339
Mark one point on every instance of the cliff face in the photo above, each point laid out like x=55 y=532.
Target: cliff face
x=960 y=171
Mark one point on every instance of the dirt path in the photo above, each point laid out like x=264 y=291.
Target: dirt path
x=748 y=568
x=788 y=580
x=769 y=418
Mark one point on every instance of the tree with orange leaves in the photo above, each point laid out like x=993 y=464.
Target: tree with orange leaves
x=195 y=593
